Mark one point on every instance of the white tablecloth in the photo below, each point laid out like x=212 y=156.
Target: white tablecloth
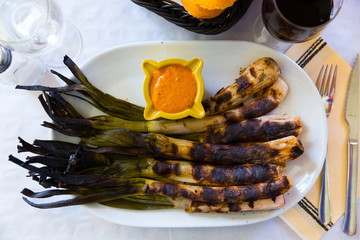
x=104 y=24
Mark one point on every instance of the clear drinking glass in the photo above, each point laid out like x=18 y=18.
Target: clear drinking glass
x=37 y=27
x=17 y=69
x=294 y=21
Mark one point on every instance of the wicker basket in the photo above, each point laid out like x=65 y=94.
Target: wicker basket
x=176 y=14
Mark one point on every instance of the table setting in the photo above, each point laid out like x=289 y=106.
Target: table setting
x=103 y=46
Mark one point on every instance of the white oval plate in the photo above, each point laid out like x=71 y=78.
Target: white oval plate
x=118 y=72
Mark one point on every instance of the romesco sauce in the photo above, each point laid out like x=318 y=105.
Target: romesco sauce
x=173 y=88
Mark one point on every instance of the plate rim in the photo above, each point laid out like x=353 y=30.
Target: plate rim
x=92 y=207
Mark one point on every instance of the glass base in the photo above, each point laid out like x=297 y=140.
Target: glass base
x=262 y=36
x=23 y=71
x=70 y=45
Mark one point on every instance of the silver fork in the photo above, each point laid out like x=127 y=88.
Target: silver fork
x=325 y=84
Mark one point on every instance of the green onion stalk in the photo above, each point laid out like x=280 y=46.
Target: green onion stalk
x=95 y=187
x=77 y=159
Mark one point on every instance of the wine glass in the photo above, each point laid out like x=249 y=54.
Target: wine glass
x=37 y=28
x=294 y=21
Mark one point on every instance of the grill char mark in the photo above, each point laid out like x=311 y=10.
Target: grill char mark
x=174 y=149
x=253 y=72
x=297 y=151
x=223 y=98
x=165 y=169
x=243 y=83
x=197 y=172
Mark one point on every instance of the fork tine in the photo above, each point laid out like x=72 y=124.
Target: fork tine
x=322 y=88
x=318 y=83
x=328 y=84
x=332 y=88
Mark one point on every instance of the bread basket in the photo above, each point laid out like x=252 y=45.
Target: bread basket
x=176 y=14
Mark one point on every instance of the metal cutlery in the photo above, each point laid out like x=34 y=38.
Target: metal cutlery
x=352 y=120
x=325 y=84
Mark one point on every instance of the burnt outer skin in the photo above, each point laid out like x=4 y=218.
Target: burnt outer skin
x=259 y=205
x=166 y=169
x=236 y=175
x=278 y=151
x=272 y=152
x=205 y=174
x=268 y=100
x=257 y=76
x=231 y=194
x=253 y=130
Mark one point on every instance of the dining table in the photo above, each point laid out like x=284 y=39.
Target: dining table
x=104 y=25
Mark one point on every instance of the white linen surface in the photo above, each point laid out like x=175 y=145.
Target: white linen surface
x=104 y=24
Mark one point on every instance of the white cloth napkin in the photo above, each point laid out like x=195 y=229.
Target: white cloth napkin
x=303 y=218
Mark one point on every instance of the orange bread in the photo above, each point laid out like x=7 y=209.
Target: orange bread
x=214 y=4
x=197 y=11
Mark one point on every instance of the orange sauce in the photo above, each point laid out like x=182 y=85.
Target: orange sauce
x=173 y=88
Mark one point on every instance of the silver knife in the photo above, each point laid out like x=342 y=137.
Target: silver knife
x=352 y=120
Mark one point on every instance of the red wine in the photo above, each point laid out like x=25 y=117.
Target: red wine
x=307 y=13
x=296 y=20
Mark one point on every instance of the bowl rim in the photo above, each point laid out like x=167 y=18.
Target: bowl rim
x=197 y=110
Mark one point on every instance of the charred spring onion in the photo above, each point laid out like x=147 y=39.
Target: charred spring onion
x=264 y=128
x=231 y=160
x=120 y=177
x=263 y=104
x=277 y=151
x=257 y=76
x=102 y=188
x=74 y=159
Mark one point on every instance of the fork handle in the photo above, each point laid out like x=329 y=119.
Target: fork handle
x=324 y=205
x=349 y=226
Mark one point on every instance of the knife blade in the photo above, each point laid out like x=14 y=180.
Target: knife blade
x=352 y=120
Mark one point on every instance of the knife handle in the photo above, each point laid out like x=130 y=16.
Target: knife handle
x=349 y=226
x=324 y=204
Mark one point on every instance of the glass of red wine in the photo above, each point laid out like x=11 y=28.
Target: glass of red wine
x=296 y=20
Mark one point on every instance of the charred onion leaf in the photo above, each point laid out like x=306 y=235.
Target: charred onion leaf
x=103 y=101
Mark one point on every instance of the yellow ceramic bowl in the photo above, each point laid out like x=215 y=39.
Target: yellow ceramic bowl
x=197 y=110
